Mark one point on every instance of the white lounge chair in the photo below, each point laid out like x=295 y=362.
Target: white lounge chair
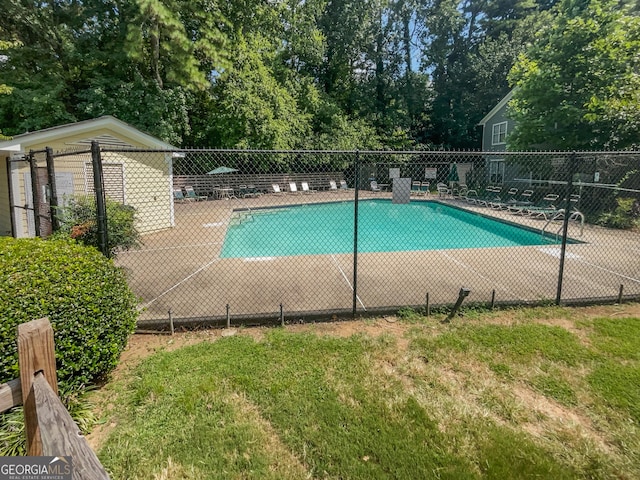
x=443 y=190
x=293 y=188
x=306 y=189
x=276 y=189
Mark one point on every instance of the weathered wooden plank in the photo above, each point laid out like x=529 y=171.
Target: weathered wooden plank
x=36 y=353
x=10 y=395
x=60 y=434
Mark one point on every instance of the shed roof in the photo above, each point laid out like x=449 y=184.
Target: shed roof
x=22 y=142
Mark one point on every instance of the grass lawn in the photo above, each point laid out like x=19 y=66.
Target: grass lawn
x=531 y=393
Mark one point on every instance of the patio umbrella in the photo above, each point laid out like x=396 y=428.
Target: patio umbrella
x=453 y=174
x=222 y=169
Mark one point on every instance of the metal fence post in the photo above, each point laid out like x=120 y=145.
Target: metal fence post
x=101 y=210
x=355 y=233
x=571 y=161
x=53 y=191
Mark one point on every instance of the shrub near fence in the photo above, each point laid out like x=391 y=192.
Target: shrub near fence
x=297 y=256
x=85 y=296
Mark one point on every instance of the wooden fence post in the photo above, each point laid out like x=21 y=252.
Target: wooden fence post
x=36 y=353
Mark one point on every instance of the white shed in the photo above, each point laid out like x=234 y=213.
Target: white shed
x=141 y=179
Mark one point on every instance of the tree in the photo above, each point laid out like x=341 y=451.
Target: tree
x=469 y=47
x=178 y=41
x=138 y=60
x=252 y=109
x=4 y=89
x=578 y=87
x=40 y=64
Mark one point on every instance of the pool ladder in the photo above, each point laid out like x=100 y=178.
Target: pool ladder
x=559 y=215
x=241 y=216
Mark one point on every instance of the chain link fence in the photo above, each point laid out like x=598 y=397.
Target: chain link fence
x=257 y=236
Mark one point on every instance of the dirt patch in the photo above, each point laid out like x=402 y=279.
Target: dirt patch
x=141 y=346
x=558 y=418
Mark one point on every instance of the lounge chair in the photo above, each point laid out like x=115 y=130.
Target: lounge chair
x=245 y=191
x=306 y=189
x=515 y=204
x=491 y=194
x=192 y=195
x=554 y=211
x=252 y=191
x=471 y=196
x=502 y=203
x=293 y=188
x=178 y=196
x=332 y=186
x=575 y=201
x=424 y=186
x=276 y=189
x=547 y=213
x=460 y=192
x=416 y=188
x=443 y=190
x=546 y=206
x=343 y=185
x=375 y=187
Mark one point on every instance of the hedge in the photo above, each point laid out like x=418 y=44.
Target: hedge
x=84 y=295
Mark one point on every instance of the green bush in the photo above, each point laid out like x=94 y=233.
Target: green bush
x=625 y=215
x=84 y=295
x=78 y=220
x=12 y=429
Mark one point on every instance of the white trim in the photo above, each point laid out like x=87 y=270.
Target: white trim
x=23 y=141
x=28 y=203
x=15 y=192
x=495 y=109
x=493 y=133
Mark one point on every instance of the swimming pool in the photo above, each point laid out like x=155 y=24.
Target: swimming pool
x=326 y=228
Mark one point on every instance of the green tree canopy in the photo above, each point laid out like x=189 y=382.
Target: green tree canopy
x=253 y=109
x=319 y=73
x=578 y=86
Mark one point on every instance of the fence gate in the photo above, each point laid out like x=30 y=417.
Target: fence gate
x=30 y=196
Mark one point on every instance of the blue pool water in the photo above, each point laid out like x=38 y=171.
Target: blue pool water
x=383 y=227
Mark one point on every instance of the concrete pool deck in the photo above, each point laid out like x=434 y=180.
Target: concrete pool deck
x=179 y=270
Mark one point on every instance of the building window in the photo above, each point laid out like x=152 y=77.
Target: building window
x=499 y=135
x=496 y=171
